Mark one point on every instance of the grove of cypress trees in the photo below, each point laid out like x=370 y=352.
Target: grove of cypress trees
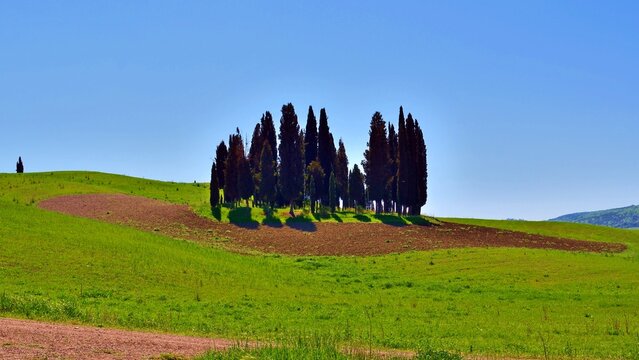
x=214 y=197
x=375 y=161
x=267 y=180
x=291 y=177
x=341 y=173
x=19 y=166
x=356 y=187
x=310 y=138
x=221 y=153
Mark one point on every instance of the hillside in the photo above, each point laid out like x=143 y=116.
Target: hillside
x=624 y=218
x=478 y=301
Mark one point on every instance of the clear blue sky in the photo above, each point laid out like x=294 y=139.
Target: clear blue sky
x=530 y=109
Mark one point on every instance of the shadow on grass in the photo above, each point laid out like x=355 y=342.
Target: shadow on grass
x=418 y=220
x=301 y=224
x=271 y=220
x=241 y=217
x=337 y=218
x=217 y=213
x=393 y=220
x=362 y=218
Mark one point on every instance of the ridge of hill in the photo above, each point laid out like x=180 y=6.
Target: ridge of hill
x=624 y=217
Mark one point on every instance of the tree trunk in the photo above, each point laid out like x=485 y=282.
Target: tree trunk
x=292 y=206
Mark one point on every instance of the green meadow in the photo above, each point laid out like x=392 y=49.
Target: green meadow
x=500 y=301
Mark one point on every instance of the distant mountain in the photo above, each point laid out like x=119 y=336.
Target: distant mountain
x=625 y=217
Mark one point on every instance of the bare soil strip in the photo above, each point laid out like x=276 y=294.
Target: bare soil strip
x=304 y=238
x=26 y=339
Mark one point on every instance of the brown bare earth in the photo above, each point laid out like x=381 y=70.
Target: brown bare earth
x=304 y=238
x=26 y=339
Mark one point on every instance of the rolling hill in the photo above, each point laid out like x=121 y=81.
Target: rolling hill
x=624 y=218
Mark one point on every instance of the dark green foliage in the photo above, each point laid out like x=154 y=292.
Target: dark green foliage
x=625 y=217
x=391 y=193
x=267 y=180
x=291 y=177
x=221 y=153
x=421 y=169
x=315 y=182
x=403 y=163
x=19 y=166
x=232 y=168
x=356 y=187
x=257 y=141
x=325 y=152
x=214 y=197
x=245 y=185
x=268 y=133
x=310 y=138
x=332 y=192
x=376 y=161
x=341 y=173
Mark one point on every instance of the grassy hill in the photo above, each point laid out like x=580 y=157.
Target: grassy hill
x=625 y=217
x=504 y=301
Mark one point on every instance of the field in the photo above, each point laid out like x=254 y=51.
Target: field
x=503 y=301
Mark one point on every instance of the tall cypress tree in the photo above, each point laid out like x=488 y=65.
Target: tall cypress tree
x=341 y=173
x=214 y=197
x=19 y=166
x=356 y=187
x=411 y=155
x=403 y=165
x=393 y=162
x=422 y=170
x=291 y=177
x=325 y=152
x=376 y=161
x=245 y=185
x=310 y=138
x=268 y=182
x=269 y=134
x=232 y=167
x=255 y=150
x=221 y=153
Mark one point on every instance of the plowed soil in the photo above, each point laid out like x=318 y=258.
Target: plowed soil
x=25 y=339
x=304 y=238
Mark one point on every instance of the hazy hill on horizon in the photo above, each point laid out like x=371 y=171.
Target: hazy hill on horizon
x=624 y=217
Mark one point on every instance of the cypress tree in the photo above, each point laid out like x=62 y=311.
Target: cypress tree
x=332 y=192
x=356 y=187
x=341 y=173
x=291 y=177
x=422 y=170
x=325 y=152
x=267 y=179
x=214 y=198
x=232 y=167
x=310 y=138
x=403 y=164
x=375 y=161
x=221 y=153
x=19 y=166
x=391 y=193
x=269 y=134
x=315 y=175
x=255 y=150
x=245 y=185
x=411 y=155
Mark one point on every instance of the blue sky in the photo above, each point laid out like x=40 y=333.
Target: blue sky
x=530 y=109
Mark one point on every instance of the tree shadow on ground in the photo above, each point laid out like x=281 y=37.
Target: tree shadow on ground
x=241 y=217
x=271 y=220
x=362 y=218
x=217 y=213
x=337 y=217
x=419 y=220
x=301 y=224
x=389 y=219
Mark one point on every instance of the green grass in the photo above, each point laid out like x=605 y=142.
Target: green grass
x=519 y=302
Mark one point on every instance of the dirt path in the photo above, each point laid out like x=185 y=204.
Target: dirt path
x=26 y=339
x=304 y=238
